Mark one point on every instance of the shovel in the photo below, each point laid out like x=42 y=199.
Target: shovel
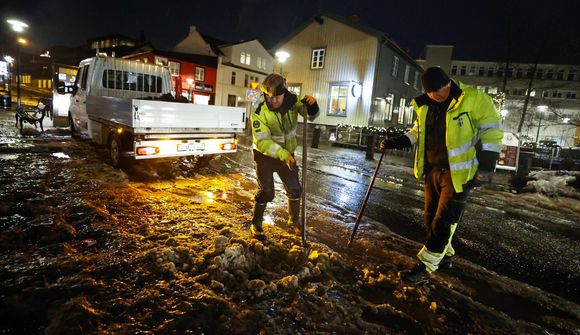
x=303 y=208
x=364 y=204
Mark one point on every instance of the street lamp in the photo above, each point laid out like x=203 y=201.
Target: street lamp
x=189 y=82
x=541 y=109
x=282 y=56
x=18 y=27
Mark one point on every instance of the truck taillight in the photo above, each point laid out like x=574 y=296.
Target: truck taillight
x=228 y=146
x=147 y=151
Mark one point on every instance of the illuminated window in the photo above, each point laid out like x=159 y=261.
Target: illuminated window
x=402 y=103
x=318 y=56
x=407 y=74
x=295 y=88
x=416 y=80
x=174 y=68
x=337 y=105
x=248 y=59
x=409 y=110
x=389 y=107
x=243 y=58
x=395 y=69
x=199 y=73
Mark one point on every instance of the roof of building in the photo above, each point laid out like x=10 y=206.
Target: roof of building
x=209 y=61
x=353 y=23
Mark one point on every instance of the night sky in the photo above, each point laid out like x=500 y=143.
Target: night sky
x=478 y=29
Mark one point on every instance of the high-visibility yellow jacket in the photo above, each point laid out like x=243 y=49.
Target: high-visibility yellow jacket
x=274 y=132
x=470 y=118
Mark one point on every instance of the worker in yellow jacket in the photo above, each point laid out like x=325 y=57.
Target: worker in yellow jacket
x=458 y=139
x=274 y=124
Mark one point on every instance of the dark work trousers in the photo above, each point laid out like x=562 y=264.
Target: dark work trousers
x=443 y=207
x=266 y=166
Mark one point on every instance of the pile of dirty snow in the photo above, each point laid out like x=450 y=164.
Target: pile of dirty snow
x=554 y=183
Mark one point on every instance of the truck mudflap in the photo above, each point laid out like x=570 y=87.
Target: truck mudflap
x=163 y=148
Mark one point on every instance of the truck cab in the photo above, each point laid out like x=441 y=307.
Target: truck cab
x=117 y=78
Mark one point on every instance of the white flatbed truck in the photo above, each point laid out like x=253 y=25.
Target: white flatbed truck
x=121 y=104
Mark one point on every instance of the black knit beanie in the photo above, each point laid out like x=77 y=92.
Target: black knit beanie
x=433 y=79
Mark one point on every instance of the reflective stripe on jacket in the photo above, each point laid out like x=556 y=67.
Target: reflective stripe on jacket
x=470 y=118
x=274 y=133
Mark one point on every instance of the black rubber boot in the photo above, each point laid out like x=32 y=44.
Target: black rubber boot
x=416 y=275
x=294 y=215
x=446 y=262
x=256 y=227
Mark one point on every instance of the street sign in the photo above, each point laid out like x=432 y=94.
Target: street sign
x=509 y=153
x=252 y=95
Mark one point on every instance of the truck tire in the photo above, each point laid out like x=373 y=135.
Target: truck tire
x=73 y=132
x=115 y=150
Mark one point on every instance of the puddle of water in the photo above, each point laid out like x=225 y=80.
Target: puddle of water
x=60 y=155
x=8 y=157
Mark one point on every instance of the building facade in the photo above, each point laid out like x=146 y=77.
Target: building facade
x=553 y=108
x=194 y=76
x=240 y=65
x=358 y=76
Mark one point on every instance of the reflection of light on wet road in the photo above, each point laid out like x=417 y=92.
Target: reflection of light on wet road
x=8 y=157
x=268 y=220
x=343 y=196
x=60 y=155
x=7 y=141
x=210 y=197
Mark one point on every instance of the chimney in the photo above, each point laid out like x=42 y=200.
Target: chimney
x=192 y=30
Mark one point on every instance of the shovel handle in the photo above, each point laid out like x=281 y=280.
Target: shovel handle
x=303 y=208
x=364 y=204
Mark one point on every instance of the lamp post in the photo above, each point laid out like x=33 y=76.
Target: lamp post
x=504 y=112
x=282 y=56
x=18 y=27
x=541 y=109
x=189 y=82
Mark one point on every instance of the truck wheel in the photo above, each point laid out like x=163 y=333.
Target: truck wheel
x=73 y=131
x=115 y=150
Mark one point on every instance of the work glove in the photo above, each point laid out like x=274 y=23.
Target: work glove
x=387 y=143
x=308 y=100
x=397 y=142
x=291 y=163
x=311 y=106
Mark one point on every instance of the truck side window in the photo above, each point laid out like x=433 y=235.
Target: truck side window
x=159 y=85
x=78 y=77
x=85 y=76
x=140 y=82
x=119 y=80
x=109 y=78
x=132 y=80
x=147 y=82
x=126 y=81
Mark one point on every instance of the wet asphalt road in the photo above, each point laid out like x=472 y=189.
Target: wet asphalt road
x=532 y=244
x=537 y=246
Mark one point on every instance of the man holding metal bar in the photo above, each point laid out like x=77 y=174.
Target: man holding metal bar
x=274 y=124
x=458 y=138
